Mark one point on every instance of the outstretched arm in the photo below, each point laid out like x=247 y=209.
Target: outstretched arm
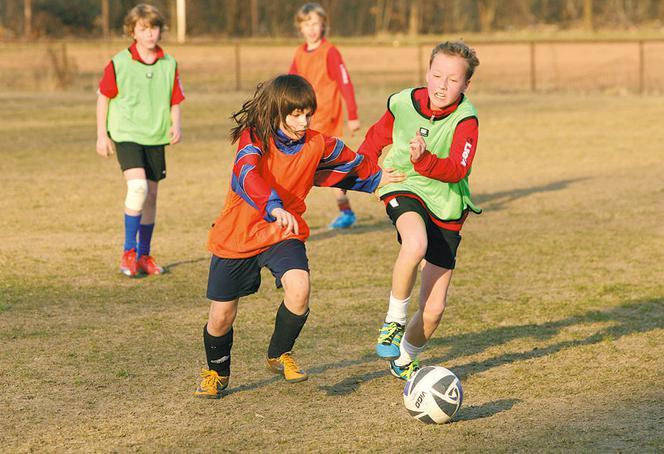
x=341 y=167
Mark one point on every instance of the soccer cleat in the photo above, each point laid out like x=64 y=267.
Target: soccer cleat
x=286 y=365
x=212 y=384
x=404 y=372
x=389 y=341
x=345 y=219
x=147 y=265
x=128 y=265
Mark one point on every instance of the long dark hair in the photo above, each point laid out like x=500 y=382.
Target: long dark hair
x=271 y=103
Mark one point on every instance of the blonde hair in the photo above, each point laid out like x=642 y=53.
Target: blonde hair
x=459 y=49
x=143 y=13
x=304 y=13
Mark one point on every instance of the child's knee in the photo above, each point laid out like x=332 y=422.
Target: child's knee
x=137 y=192
x=296 y=286
x=221 y=319
x=414 y=247
x=433 y=313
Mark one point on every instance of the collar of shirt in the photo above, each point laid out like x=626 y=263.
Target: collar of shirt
x=421 y=96
x=136 y=56
x=287 y=145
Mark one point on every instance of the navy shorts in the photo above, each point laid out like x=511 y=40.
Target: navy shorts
x=230 y=279
x=151 y=158
x=442 y=244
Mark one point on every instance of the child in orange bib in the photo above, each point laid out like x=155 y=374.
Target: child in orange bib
x=279 y=160
x=320 y=62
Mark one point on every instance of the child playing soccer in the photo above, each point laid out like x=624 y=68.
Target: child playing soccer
x=433 y=131
x=138 y=109
x=321 y=64
x=278 y=161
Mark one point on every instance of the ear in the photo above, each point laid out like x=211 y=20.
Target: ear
x=466 y=87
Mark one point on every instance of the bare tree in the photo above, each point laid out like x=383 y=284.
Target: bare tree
x=27 y=19
x=487 y=14
x=414 y=18
x=253 y=7
x=588 y=15
x=105 y=28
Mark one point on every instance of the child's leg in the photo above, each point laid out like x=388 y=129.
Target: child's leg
x=287 y=260
x=435 y=282
x=292 y=313
x=346 y=217
x=218 y=335
x=148 y=217
x=413 y=233
x=137 y=189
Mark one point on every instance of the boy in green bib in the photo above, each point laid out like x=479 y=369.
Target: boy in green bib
x=138 y=110
x=433 y=131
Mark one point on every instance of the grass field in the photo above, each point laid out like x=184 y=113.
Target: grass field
x=554 y=322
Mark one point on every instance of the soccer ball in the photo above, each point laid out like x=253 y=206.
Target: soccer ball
x=433 y=395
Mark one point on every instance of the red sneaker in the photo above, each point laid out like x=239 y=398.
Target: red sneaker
x=128 y=265
x=147 y=264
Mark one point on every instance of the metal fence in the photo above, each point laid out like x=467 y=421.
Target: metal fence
x=632 y=66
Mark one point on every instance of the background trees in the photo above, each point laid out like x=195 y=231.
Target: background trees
x=243 y=18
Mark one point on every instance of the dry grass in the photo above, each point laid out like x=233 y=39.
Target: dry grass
x=554 y=323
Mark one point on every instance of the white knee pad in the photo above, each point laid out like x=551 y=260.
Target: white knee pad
x=137 y=192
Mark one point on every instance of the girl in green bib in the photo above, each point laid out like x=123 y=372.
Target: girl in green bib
x=433 y=131
x=138 y=110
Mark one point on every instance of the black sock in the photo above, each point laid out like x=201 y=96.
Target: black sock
x=218 y=351
x=287 y=327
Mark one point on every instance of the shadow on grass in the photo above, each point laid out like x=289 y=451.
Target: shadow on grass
x=324 y=233
x=485 y=410
x=170 y=266
x=629 y=318
x=498 y=200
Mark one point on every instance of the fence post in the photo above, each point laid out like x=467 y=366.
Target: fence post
x=641 y=68
x=533 y=80
x=238 y=81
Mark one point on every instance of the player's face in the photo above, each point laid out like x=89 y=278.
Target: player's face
x=446 y=80
x=312 y=29
x=297 y=123
x=146 y=35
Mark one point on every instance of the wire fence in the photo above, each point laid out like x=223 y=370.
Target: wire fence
x=635 y=66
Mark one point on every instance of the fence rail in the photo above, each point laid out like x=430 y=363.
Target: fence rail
x=635 y=66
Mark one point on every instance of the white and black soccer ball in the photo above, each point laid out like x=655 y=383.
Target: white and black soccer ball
x=433 y=395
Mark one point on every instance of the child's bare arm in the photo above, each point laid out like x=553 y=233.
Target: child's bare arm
x=176 y=119
x=104 y=145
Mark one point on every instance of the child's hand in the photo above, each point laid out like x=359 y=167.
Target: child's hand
x=390 y=176
x=175 y=134
x=417 y=147
x=104 y=146
x=286 y=220
x=354 y=126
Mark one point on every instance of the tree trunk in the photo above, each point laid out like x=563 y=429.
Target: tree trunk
x=254 y=17
x=105 y=28
x=414 y=18
x=27 y=19
x=487 y=14
x=588 y=14
x=182 y=20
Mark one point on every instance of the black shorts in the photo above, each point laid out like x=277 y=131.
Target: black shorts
x=230 y=279
x=442 y=244
x=152 y=158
